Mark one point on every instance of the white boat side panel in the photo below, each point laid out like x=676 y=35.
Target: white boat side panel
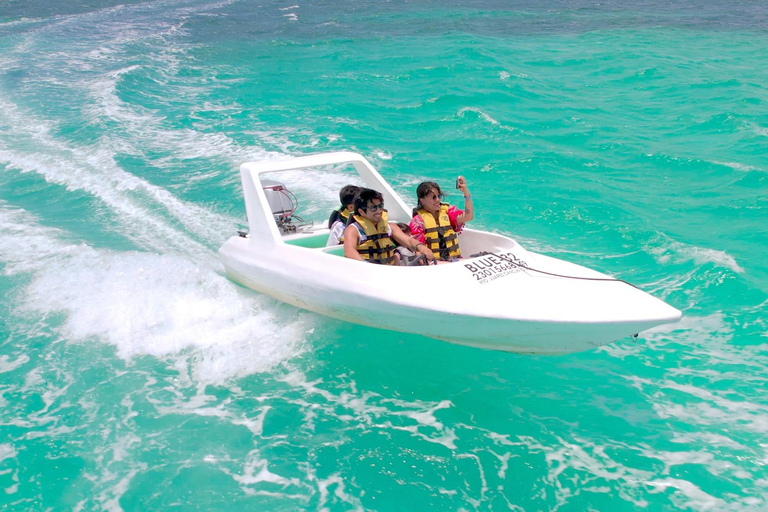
x=519 y=312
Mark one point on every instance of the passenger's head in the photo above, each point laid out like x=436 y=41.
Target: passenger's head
x=347 y=195
x=369 y=204
x=429 y=195
x=405 y=228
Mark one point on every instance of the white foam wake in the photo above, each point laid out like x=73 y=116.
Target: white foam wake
x=148 y=304
x=136 y=203
x=677 y=252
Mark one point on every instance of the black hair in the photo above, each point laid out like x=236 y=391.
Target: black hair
x=422 y=190
x=365 y=195
x=404 y=227
x=347 y=194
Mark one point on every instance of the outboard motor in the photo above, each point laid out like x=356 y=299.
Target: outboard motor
x=284 y=204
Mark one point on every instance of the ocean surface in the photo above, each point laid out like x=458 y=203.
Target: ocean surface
x=630 y=137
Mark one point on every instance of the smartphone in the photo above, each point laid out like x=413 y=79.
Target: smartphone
x=457 y=183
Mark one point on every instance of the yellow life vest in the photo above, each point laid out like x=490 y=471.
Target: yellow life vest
x=439 y=235
x=340 y=215
x=343 y=217
x=378 y=247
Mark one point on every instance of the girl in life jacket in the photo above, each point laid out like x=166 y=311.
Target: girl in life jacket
x=438 y=224
x=370 y=236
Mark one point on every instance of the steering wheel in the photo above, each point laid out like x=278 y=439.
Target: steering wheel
x=418 y=260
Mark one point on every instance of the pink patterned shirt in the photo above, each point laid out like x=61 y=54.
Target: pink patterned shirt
x=417 y=224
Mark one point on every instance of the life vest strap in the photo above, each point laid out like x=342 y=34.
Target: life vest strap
x=376 y=253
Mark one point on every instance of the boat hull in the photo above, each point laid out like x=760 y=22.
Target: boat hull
x=517 y=312
x=494 y=300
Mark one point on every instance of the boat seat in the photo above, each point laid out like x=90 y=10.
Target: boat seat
x=336 y=250
x=310 y=242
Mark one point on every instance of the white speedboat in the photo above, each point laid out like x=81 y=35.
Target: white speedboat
x=501 y=298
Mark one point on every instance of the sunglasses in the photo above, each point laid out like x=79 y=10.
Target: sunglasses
x=374 y=207
x=434 y=197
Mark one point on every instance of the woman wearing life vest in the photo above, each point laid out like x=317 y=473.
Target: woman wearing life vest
x=438 y=224
x=370 y=236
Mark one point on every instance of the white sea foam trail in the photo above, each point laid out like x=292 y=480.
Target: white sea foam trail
x=666 y=250
x=142 y=209
x=172 y=302
x=162 y=305
x=148 y=214
x=148 y=304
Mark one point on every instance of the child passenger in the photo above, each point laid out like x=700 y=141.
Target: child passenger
x=407 y=256
x=338 y=219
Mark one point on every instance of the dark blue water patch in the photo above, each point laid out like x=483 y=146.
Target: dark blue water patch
x=209 y=23
x=350 y=19
x=12 y=10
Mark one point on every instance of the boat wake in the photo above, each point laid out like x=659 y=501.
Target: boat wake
x=164 y=305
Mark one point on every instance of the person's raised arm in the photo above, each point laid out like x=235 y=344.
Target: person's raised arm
x=408 y=242
x=351 y=238
x=469 y=208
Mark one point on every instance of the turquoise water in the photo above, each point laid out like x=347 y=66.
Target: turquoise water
x=135 y=376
